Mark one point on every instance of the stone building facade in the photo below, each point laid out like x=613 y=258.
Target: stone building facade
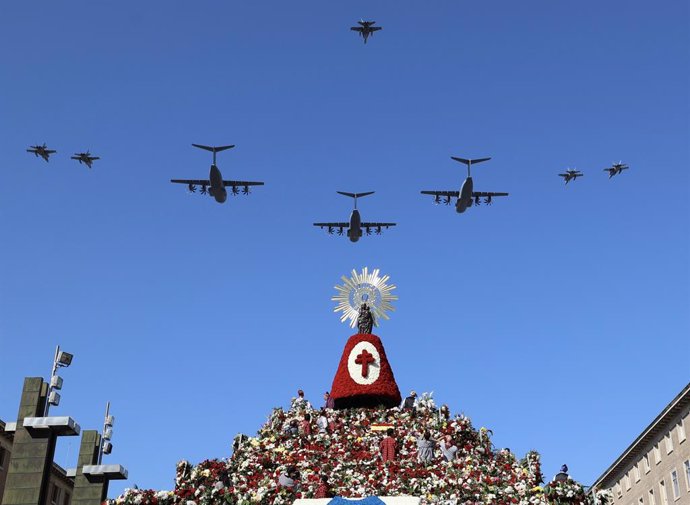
x=655 y=468
x=60 y=487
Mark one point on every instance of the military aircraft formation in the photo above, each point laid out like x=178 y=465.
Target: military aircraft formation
x=615 y=169
x=44 y=152
x=85 y=158
x=215 y=186
x=41 y=151
x=570 y=175
x=365 y=29
x=355 y=225
x=466 y=196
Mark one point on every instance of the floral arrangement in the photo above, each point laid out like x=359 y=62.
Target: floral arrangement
x=348 y=455
x=564 y=492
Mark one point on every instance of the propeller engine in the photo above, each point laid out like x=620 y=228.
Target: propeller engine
x=437 y=199
x=245 y=190
x=487 y=200
x=192 y=188
x=235 y=191
x=330 y=230
x=378 y=230
x=340 y=231
x=203 y=190
x=447 y=200
x=368 y=230
x=477 y=201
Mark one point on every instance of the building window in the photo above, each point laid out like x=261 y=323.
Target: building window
x=674 y=484
x=669 y=443
x=662 y=493
x=686 y=464
x=640 y=501
x=651 y=500
x=627 y=481
x=619 y=490
x=681 y=431
x=65 y=500
x=657 y=453
x=55 y=495
x=646 y=463
x=2 y=457
x=637 y=472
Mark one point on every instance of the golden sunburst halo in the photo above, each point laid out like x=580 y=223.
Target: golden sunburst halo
x=360 y=288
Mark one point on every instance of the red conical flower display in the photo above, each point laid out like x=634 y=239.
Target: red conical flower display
x=364 y=377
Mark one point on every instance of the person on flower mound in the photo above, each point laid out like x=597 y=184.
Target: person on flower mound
x=448 y=448
x=443 y=414
x=329 y=402
x=561 y=476
x=409 y=403
x=301 y=402
x=425 y=448
x=322 y=421
x=288 y=478
x=388 y=446
x=324 y=489
x=305 y=425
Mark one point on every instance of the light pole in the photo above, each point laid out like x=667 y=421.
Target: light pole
x=61 y=359
x=106 y=447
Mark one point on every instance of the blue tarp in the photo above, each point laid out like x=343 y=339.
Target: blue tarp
x=369 y=500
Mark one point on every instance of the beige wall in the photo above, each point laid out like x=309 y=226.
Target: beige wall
x=635 y=481
x=59 y=490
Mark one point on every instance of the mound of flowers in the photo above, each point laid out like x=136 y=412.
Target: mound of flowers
x=345 y=450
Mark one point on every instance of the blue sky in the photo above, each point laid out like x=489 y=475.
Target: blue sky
x=558 y=317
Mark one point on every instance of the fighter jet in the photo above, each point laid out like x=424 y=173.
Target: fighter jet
x=365 y=29
x=466 y=196
x=85 y=158
x=616 y=168
x=215 y=185
x=41 y=151
x=571 y=174
x=355 y=226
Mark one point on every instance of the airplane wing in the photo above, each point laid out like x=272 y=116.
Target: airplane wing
x=376 y=225
x=356 y=28
x=375 y=28
x=94 y=158
x=483 y=194
x=454 y=194
x=50 y=151
x=193 y=182
x=242 y=183
x=32 y=151
x=332 y=225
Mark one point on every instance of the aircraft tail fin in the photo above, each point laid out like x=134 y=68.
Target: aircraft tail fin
x=469 y=162
x=216 y=149
x=355 y=195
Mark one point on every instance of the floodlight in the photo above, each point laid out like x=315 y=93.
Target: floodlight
x=56 y=382
x=107 y=434
x=107 y=447
x=109 y=421
x=64 y=358
x=54 y=398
